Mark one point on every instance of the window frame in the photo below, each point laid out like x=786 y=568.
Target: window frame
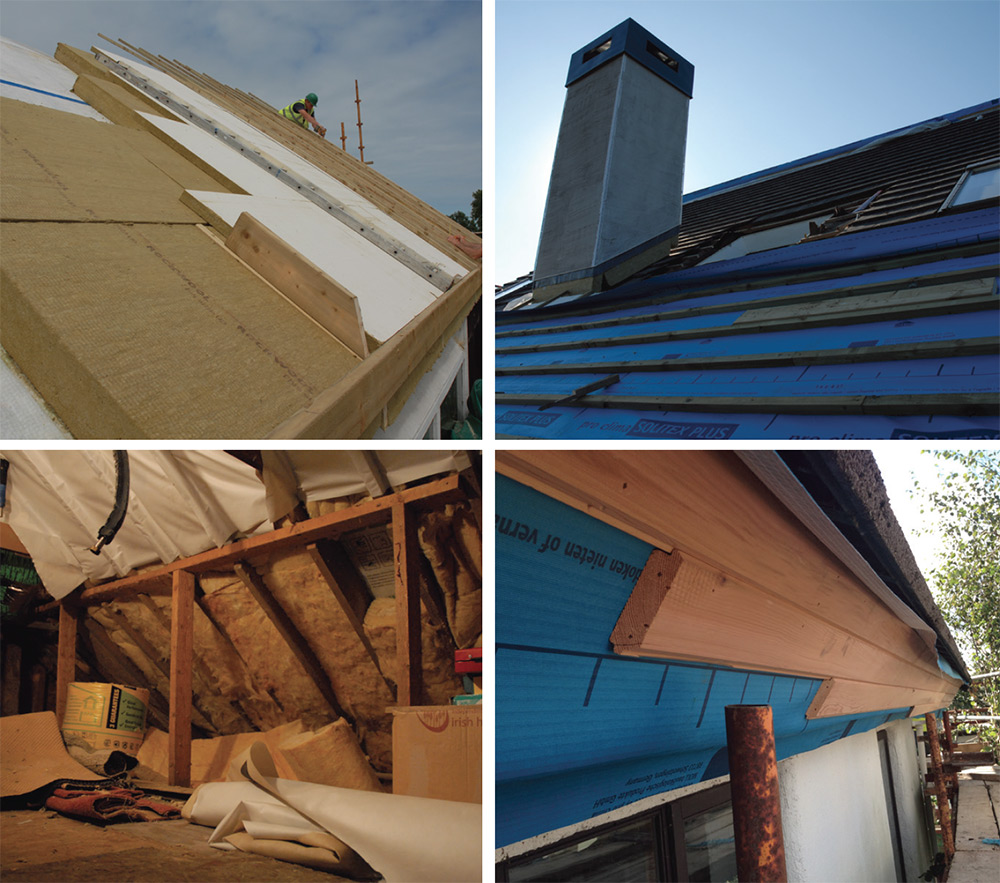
x=971 y=169
x=668 y=831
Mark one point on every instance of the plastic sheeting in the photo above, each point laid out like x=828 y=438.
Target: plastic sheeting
x=411 y=839
x=180 y=502
x=326 y=475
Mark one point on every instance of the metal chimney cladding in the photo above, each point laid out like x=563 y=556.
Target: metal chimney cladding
x=614 y=200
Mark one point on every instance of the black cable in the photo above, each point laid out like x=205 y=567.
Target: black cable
x=111 y=527
x=4 y=466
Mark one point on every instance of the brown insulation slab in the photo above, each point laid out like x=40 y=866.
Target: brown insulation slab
x=297 y=585
x=271 y=663
x=156 y=331
x=330 y=756
x=64 y=167
x=185 y=173
x=450 y=540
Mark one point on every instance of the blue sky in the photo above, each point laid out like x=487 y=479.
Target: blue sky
x=419 y=67
x=775 y=80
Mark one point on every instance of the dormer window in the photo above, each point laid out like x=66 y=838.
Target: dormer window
x=978 y=182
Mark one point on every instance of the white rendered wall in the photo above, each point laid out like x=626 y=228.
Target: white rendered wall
x=906 y=774
x=834 y=814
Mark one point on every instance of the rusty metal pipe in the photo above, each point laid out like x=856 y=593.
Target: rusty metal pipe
x=941 y=787
x=949 y=742
x=753 y=779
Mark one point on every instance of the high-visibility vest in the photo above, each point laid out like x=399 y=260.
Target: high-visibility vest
x=290 y=114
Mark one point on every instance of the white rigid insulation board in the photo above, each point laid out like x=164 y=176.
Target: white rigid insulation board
x=275 y=151
x=222 y=157
x=389 y=294
x=23 y=414
x=35 y=78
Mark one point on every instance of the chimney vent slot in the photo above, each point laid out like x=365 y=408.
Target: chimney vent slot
x=658 y=53
x=597 y=50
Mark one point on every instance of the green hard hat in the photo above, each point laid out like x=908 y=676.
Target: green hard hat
x=312 y=99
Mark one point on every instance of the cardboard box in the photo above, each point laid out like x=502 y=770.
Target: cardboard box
x=437 y=751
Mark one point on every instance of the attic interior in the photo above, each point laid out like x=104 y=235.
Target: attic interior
x=323 y=605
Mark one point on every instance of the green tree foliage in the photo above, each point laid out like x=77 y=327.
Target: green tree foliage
x=477 y=211
x=965 y=512
x=474 y=223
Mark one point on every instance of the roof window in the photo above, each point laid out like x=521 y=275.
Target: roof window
x=978 y=182
x=765 y=240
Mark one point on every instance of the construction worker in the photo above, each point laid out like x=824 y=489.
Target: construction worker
x=301 y=112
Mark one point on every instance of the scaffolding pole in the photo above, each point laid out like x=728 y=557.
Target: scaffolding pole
x=361 y=142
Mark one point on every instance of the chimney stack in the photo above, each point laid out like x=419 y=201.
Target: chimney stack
x=614 y=201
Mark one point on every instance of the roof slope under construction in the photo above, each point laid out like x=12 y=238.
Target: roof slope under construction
x=851 y=294
x=200 y=267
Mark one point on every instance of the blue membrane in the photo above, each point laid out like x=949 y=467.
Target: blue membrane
x=580 y=731
x=614 y=423
x=900 y=332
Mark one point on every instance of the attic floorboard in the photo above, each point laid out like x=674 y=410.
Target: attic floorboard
x=44 y=846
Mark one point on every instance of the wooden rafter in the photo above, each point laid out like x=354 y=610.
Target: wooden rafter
x=408 y=649
x=69 y=618
x=332 y=525
x=348 y=588
x=181 y=651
